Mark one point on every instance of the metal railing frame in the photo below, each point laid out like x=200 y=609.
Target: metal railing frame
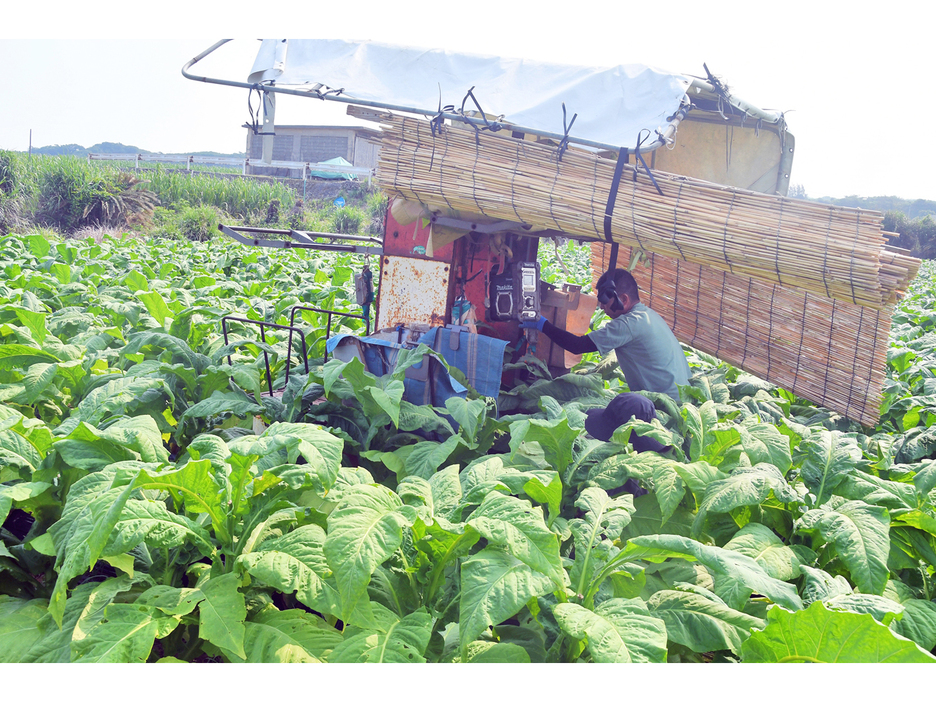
x=266 y=357
x=330 y=313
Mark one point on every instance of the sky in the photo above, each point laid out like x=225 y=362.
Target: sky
x=855 y=84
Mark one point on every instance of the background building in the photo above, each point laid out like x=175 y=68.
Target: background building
x=314 y=144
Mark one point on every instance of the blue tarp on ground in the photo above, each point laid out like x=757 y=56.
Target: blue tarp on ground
x=337 y=161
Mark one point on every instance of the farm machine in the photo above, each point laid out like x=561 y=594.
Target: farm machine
x=486 y=158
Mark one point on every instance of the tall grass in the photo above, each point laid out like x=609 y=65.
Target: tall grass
x=239 y=197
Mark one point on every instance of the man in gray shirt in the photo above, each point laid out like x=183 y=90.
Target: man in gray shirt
x=646 y=349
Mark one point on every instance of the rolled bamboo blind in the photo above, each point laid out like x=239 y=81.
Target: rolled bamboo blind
x=829 y=352
x=796 y=292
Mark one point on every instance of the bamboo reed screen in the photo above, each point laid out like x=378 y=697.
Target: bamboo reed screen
x=788 y=285
x=832 y=353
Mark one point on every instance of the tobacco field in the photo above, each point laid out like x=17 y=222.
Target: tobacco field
x=159 y=505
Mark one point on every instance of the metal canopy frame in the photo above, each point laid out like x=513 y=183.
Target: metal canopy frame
x=662 y=138
x=302 y=240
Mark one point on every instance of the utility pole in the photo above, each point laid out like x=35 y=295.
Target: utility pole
x=30 y=144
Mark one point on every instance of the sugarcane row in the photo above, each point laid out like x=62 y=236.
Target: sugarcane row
x=830 y=251
x=829 y=352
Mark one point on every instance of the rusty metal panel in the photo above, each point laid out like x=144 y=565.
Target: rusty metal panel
x=412 y=291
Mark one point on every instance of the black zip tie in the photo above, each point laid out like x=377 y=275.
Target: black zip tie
x=734 y=196
x=474 y=181
x=564 y=143
x=825 y=257
x=851 y=386
x=552 y=191
x=825 y=382
x=877 y=322
x=721 y=91
x=695 y=329
x=633 y=211
x=413 y=176
x=777 y=252
x=770 y=336
x=441 y=178
x=641 y=159
x=799 y=351
x=851 y=261
x=435 y=126
x=747 y=316
x=254 y=125
x=594 y=189
x=488 y=126
x=676 y=220
x=721 y=316
x=513 y=178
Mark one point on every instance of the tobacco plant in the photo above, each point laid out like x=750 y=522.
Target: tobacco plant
x=158 y=504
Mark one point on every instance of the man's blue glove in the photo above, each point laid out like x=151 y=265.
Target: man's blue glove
x=533 y=324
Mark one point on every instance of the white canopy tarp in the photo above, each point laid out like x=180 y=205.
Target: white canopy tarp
x=613 y=104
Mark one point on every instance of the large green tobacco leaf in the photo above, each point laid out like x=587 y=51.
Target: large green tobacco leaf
x=605 y=518
x=556 y=439
x=520 y=528
x=151 y=521
x=81 y=535
x=618 y=631
x=744 y=486
x=123 y=396
x=709 y=440
x=378 y=396
x=649 y=520
x=194 y=487
x=222 y=612
x=295 y=562
x=491 y=652
x=495 y=586
x=469 y=414
x=317 y=446
x=125 y=635
x=736 y=575
x=820 y=636
x=18 y=493
x=363 y=531
x=20 y=356
x=34 y=321
x=93 y=613
x=548 y=494
x=825 y=459
x=54 y=645
x=24 y=444
x=18 y=626
x=426 y=457
x=763 y=443
x=440 y=494
x=236 y=403
x=918 y=622
x=129 y=438
x=818 y=585
x=698 y=476
x=702 y=623
x=765 y=547
x=861 y=535
x=290 y=636
x=664 y=474
x=392 y=640
x=857 y=485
